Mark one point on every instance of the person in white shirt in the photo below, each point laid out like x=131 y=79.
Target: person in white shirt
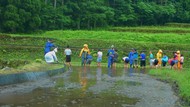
x=51 y=57
x=68 y=53
x=99 y=57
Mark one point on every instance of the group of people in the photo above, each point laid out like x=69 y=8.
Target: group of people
x=133 y=57
x=112 y=55
x=50 y=51
x=161 y=59
x=176 y=61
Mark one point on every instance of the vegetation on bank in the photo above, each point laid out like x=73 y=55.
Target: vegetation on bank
x=29 y=67
x=31 y=46
x=180 y=78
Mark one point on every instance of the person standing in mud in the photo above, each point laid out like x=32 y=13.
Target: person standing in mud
x=131 y=57
x=110 y=56
x=115 y=58
x=159 y=58
x=143 y=59
x=68 y=53
x=151 y=59
x=175 y=58
x=49 y=44
x=83 y=54
x=179 y=59
x=89 y=59
x=135 y=58
x=99 y=57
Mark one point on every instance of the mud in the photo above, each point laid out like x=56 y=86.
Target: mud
x=94 y=87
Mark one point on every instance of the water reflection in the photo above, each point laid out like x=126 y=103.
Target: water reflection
x=130 y=71
x=112 y=72
x=77 y=88
x=83 y=78
x=99 y=74
x=143 y=70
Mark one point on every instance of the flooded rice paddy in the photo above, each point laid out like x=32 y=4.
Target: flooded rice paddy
x=91 y=87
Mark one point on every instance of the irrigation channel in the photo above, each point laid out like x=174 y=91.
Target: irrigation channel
x=91 y=87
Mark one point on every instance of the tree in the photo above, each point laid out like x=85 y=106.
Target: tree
x=11 y=19
x=124 y=13
x=1 y=18
x=34 y=15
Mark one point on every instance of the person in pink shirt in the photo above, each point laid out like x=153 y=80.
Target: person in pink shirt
x=181 y=61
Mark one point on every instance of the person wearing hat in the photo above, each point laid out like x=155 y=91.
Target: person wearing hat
x=110 y=55
x=48 y=46
x=179 y=59
x=159 y=57
x=51 y=57
x=83 y=54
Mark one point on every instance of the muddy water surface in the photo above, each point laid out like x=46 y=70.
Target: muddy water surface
x=91 y=87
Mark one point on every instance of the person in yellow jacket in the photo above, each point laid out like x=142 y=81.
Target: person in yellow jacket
x=83 y=54
x=159 y=57
x=179 y=59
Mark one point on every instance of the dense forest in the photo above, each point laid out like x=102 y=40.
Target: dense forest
x=37 y=15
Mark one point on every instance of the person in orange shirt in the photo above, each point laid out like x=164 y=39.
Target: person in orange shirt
x=83 y=54
x=159 y=57
x=179 y=59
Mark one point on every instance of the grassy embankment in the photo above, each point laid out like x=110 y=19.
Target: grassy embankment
x=29 y=47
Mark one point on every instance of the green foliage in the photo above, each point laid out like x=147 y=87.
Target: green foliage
x=12 y=63
x=39 y=60
x=36 y=15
